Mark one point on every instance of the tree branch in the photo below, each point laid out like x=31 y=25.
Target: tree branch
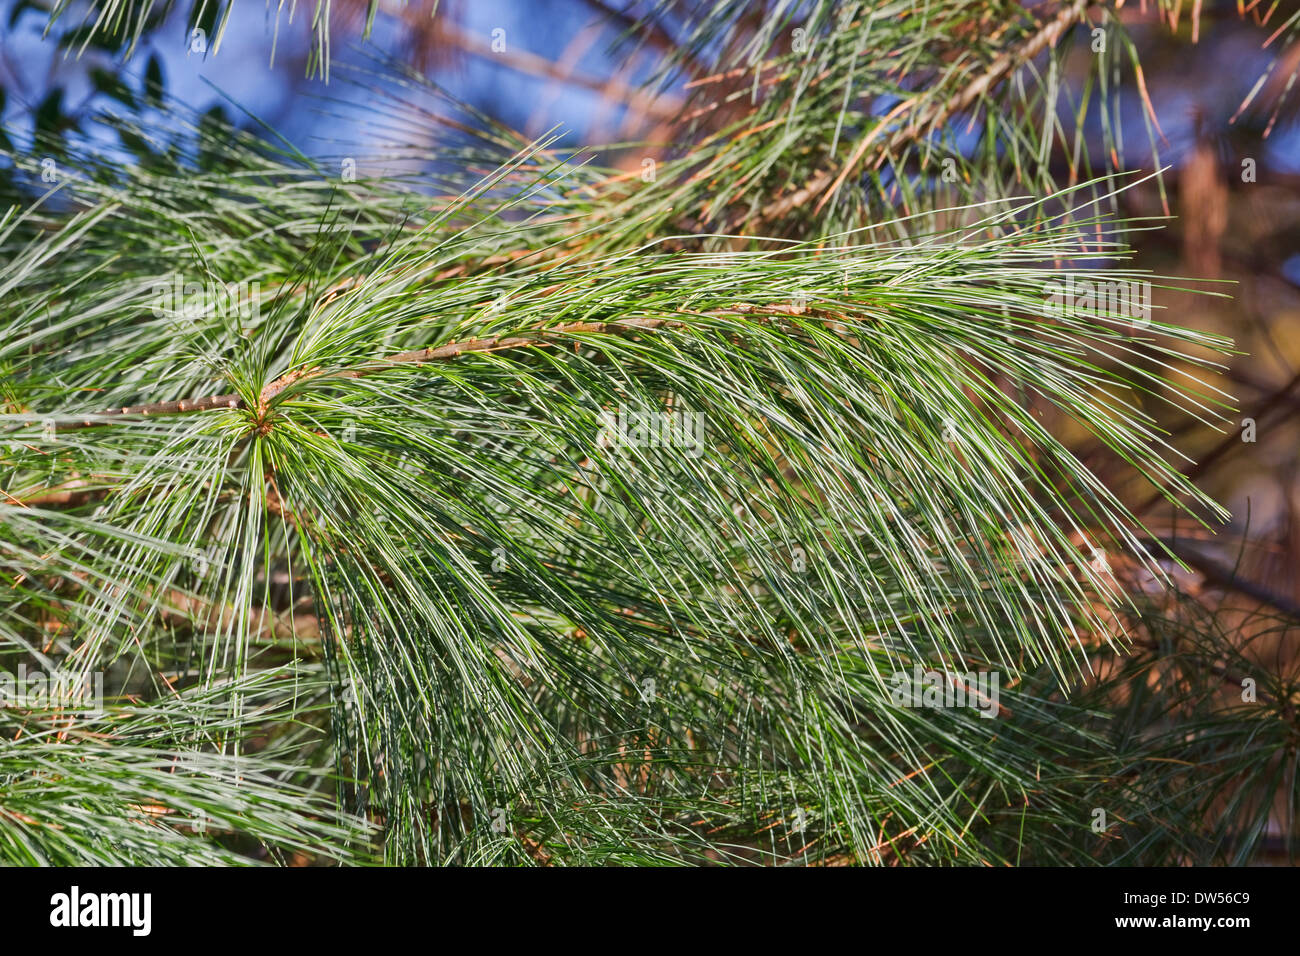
x=548 y=337
x=999 y=69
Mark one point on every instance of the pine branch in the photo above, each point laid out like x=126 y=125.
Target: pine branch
x=634 y=600
x=542 y=338
x=827 y=184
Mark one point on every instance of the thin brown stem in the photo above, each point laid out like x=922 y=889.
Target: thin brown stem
x=828 y=183
x=541 y=338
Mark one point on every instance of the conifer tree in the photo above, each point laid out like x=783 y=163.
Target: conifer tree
x=697 y=500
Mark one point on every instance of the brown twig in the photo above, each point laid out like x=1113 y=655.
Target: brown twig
x=829 y=183
x=154 y=408
x=541 y=338
x=1223 y=576
x=272 y=390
